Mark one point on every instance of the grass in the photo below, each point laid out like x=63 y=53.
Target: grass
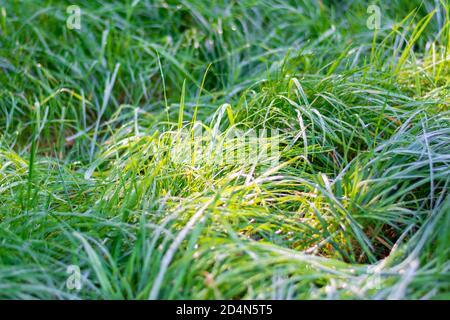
x=98 y=125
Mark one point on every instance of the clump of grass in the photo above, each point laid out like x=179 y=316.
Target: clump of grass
x=102 y=167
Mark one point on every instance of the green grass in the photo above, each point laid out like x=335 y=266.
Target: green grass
x=96 y=126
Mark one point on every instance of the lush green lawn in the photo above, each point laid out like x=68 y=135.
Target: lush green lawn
x=97 y=125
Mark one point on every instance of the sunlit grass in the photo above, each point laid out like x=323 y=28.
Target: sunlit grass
x=96 y=126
